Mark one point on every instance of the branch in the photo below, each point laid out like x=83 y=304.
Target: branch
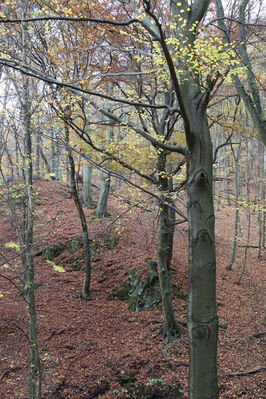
x=35 y=73
x=253 y=371
x=221 y=146
x=71 y=19
x=126 y=180
x=141 y=132
x=171 y=67
x=88 y=141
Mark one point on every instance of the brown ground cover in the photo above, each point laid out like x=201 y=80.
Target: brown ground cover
x=89 y=348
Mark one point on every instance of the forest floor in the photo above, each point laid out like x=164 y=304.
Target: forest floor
x=99 y=348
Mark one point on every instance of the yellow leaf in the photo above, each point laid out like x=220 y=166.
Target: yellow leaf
x=12 y=245
x=57 y=268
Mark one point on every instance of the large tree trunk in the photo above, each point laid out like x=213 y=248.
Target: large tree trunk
x=202 y=314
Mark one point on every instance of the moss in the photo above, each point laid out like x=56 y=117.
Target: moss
x=51 y=252
x=101 y=277
x=123 y=291
x=142 y=293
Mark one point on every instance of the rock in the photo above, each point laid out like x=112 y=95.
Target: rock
x=51 y=252
x=142 y=293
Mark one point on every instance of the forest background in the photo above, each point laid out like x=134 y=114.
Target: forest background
x=160 y=106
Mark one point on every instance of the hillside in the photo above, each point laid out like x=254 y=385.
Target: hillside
x=99 y=348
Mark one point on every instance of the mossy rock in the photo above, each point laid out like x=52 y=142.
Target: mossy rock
x=142 y=293
x=51 y=252
x=123 y=292
x=75 y=244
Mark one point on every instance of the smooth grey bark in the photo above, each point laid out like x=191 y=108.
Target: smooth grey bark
x=35 y=369
x=193 y=101
x=202 y=313
x=86 y=183
x=85 y=292
x=251 y=100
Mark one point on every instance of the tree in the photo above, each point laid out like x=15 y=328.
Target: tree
x=85 y=236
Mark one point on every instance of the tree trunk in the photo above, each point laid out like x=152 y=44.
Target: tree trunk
x=35 y=372
x=202 y=314
x=164 y=254
x=55 y=156
x=237 y=217
x=105 y=188
x=86 y=242
x=37 y=149
x=103 y=197
x=86 y=183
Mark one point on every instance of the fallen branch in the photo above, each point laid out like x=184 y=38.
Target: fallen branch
x=53 y=333
x=253 y=371
x=10 y=370
x=248 y=246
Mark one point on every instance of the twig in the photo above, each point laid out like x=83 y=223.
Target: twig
x=253 y=371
